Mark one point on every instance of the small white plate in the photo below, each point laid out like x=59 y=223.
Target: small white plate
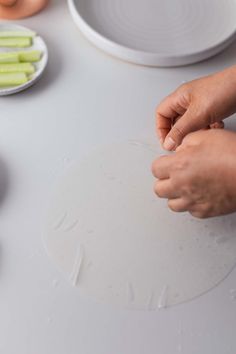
x=157 y=32
x=38 y=44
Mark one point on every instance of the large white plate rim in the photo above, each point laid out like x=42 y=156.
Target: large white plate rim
x=142 y=57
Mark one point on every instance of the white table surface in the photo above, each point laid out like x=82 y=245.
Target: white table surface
x=85 y=99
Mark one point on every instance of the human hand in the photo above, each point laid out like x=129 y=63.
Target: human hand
x=196 y=105
x=200 y=176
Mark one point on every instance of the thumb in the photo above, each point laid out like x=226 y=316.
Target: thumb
x=183 y=126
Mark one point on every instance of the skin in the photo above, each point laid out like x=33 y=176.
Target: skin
x=196 y=105
x=8 y=2
x=15 y=9
x=199 y=177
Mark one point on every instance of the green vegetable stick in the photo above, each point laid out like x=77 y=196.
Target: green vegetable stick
x=16 y=79
x=26 y=68
x=30 y=56
x=9 y=34
x=17 y=42
x=9 y=58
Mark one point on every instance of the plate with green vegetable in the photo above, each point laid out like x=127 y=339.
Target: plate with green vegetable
x=23 y=58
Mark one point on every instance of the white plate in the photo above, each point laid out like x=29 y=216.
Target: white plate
x=157 y=32
x=38 y=44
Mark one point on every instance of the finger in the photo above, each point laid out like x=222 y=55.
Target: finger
x=200 y=211
x=199 y=214
x=163 y=126
x=178 y=205
x=188 y=123
x=193 y=139
x=167 y=112
x=165 y=189
x=218 y=125
x=161 y=167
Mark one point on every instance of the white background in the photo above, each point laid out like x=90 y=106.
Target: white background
x=85 y=99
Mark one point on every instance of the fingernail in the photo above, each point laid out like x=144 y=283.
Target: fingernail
x=169 y=144
x=161 y=141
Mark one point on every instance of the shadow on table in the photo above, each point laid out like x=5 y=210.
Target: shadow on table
x=4 y=182
x=225 y=58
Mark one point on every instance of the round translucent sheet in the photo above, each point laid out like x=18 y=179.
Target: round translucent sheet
x=115 y=240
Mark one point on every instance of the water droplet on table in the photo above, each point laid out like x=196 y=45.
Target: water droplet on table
x=49 y=320
x=79 y=257
x=71 y=226
x=130 y=292
x=55 y=283
x=60 y=221
x=162 y=303
x=150 y=301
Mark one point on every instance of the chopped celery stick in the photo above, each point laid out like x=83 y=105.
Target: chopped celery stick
x=27 y=68
x=12 y=79
x=9 y=58
x=9 y=34
x=16 y=57
x=30 y=56
x=17 y=42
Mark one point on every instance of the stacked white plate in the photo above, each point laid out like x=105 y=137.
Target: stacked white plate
x=157 y=32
